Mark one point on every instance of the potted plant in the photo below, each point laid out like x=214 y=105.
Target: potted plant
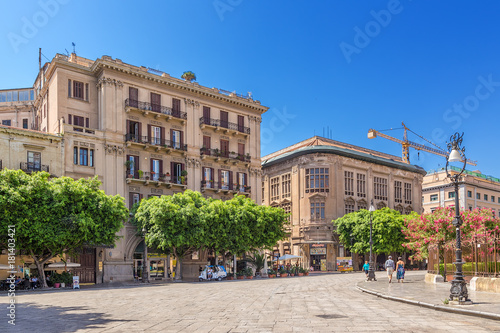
x=56 y=279
x=188 y=76
x=301 y=271
x=66 y=279
x=249 y=273
x=183 y=177
x=217 y=152
x=140 y=172
x=271 y=273
x=283 y=272
x=306 y=272
x=240 y=275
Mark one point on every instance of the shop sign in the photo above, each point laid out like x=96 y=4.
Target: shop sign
x=156 y=255
x=317 y=249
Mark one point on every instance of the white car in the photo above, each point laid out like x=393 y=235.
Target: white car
x=213 y=273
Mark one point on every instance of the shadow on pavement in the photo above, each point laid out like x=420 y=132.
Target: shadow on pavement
x=35 y=318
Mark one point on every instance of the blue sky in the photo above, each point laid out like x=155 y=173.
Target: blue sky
x=346 y=66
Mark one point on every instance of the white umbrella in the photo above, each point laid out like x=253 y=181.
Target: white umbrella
x=62 y=264
x=288 y=257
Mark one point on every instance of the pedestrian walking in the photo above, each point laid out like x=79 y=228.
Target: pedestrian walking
x=400 y=270
x=389 y=267
x=366 y=268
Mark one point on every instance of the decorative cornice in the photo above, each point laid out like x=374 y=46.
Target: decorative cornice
x=108 y=81
x=191 y=102
x=111 y=149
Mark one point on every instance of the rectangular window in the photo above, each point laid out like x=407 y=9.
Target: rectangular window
x=241 y=124
x=86 y=91
x=478 y=196
x=133 y=97
x=155 y=135
x=224 y=180
x=6 y=122
x=275 y=189
x=486 y=197
x=349 y=182
x=155 y=169
x=380 y=188
x=176 y=139
x=349 y=207
x=134 y=198
x=361 y=185
x=206 y=115
x=78 y=90
x=206 y=145
x=78 y=121
x=224 y=119
x=156 y=102
x=285 y=186
x=84 y=153
x=91 y=157
x=408 y=199
x=224 y=148
x=469 y=194
x=398 y=195
x=317 y=210
x=451 y=195
x=69 y=88
x=176 y=107
x=208 y=177
x=75 y=155
x=317 y=180
x=25 y=123
x=34 y=161
x=241 y=151
x=492 y=198
x=434 y=197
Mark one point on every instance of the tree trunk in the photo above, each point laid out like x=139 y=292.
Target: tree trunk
x=178 y=268
x=39 y=265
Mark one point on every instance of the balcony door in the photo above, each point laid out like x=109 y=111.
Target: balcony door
x=34 y=161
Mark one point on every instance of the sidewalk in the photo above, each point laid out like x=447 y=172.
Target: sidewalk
x=415 y=291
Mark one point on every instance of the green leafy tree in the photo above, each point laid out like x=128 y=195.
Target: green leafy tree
x=53 y=216
x=173 y=223
x=354 y=231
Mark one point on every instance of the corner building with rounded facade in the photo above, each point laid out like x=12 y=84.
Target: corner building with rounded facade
x=319 y=180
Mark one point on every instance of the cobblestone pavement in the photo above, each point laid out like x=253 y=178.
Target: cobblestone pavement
x=320 y=303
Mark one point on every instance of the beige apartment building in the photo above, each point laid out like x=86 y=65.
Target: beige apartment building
x=145 y=133
x=318 y=180
x=16 y=108
x=30 y=151
x=475 y=191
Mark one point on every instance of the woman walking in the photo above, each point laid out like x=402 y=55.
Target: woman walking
x=400 y=273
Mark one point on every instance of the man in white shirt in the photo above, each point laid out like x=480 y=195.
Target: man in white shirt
x=389 y=267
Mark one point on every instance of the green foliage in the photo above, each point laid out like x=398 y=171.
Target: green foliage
x=257 y=261
x=53 y=216
x=188 y=76
x=386 y=231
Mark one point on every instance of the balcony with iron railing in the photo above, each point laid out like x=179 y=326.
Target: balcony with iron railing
x=155 y=178
x=153 y=141
x=218 y=154
x=220 y=124
x=224 y=186
x=33 y=167
x=164 y=110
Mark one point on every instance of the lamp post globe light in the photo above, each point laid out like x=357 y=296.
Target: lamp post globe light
x=458 y=290
x=371 y=271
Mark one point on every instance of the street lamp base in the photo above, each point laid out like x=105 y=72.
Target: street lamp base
x=371 y=276
x=458 y=292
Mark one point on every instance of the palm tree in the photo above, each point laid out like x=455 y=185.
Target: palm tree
x=257 y=261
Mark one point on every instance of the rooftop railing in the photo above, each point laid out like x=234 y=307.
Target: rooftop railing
x=166 y=110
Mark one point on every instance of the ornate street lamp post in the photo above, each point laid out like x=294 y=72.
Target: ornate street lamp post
x=145 y=268
x=371 y=271
x=458 y=290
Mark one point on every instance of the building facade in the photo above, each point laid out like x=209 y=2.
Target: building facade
x=145 y=133
x=319 y=180
x=16 y=108
x=475 y=191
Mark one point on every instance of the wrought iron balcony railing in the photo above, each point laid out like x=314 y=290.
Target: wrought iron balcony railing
x=156 y=108
x=224 y=124
x=155 y=141
x=222 y=153
x=33 y=167
x=161 y=177
x=210 y=184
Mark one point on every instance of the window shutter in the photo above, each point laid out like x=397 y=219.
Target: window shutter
x=149 y=133
x=136 y=163
x=127 y=129
x=161 y=167
x=87 y=122
x=206 y=114
x=69 y=88
x=241 y=149
x=212 y=176
x=171 y=137
x=241 y=123
x=246 y=179
x=230 y=180
x=140 y=196
x=182 y=167
x=238 y=178
x=220 y=178
x=224 y=117
x=140 y=132
x=182 y=139
x=130 y=199
x=86 y=91
x=162 y=135
x=70 y=119
x=151 y=166
x=172 y=168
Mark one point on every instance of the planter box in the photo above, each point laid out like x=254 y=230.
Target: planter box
x=306 y=274
x=284 y=275
x=57 y=285
x=301 y=274
x=271 y=276
x=240 y=277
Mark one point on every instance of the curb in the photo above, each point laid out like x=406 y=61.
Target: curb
x=488 y=315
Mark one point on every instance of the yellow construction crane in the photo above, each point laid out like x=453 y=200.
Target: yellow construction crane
x=406 y=144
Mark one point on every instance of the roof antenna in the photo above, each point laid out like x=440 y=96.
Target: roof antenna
x=74 y=51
